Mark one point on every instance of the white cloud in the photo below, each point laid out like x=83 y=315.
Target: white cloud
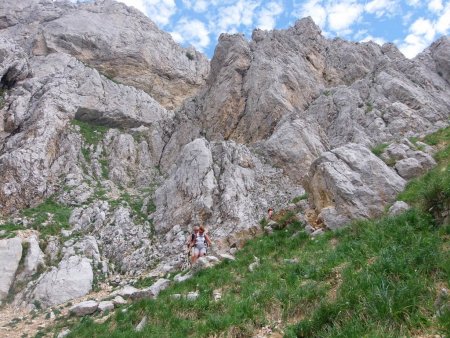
x=230 y=17
x=198 y=6
x=315 y=10
x=193 y=32
x=336 y=16
x=381 y=7
x=443 y=22
x=138 y=4
x=435 y=6
x=268 y=14
x=341 y=15
x=377 y=40
x=421 y=34
x=414 y=3
x=159 y=11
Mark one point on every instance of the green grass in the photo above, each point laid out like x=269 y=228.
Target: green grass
x=383 y=274
x=10 y=229
x=56 y=215
x=431 y=192
x=92 y=133
x=379 y=149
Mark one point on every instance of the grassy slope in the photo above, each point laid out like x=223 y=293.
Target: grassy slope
x=376 y=278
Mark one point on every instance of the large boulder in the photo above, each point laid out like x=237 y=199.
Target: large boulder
x=71 y=279
x=10 y=254
x=350 y=182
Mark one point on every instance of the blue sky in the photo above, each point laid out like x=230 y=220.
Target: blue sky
x=411 y=24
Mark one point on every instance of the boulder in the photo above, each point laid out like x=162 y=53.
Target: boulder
x=126 y=291
x=141 y=324
x=398 y=207
x=225 y=256
x=332 y=218
x=351 y=182
x=71 y=279
x=63 y=333
x=118 y=300
x=181 y=278
x=159 y=285
x=193 y=295
x=84 y=308
x=106 y=305
x=409 y=168
x=309 y=229
x=317 y=232
x=10 y=254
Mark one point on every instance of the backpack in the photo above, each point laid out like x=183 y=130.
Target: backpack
x=194 y=237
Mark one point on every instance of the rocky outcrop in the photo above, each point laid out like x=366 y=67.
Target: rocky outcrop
x=350 y=182
x=43 y=105
x=10 y=254
x=117 y=40
x=356 y=92
x=222 y=185
x=409 y=160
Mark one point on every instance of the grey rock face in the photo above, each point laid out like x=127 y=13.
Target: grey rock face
x=353 y=181
x=219 y=184
x=117 y=40
x=72 y=278
x=67 y=90
x=436 y=57
x=360 y=93
x=294 y=145
x=10 y=254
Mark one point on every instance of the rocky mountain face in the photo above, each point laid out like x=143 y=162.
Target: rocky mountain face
x=115 y=141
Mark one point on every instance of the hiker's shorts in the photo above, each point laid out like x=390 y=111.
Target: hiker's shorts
x=199 y=251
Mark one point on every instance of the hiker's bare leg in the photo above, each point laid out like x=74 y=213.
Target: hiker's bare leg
x=195 y=255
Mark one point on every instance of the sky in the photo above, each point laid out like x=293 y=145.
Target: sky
x=411 y=24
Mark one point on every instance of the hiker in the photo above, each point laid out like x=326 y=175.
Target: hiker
x=198 y=243
x=270 y=213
